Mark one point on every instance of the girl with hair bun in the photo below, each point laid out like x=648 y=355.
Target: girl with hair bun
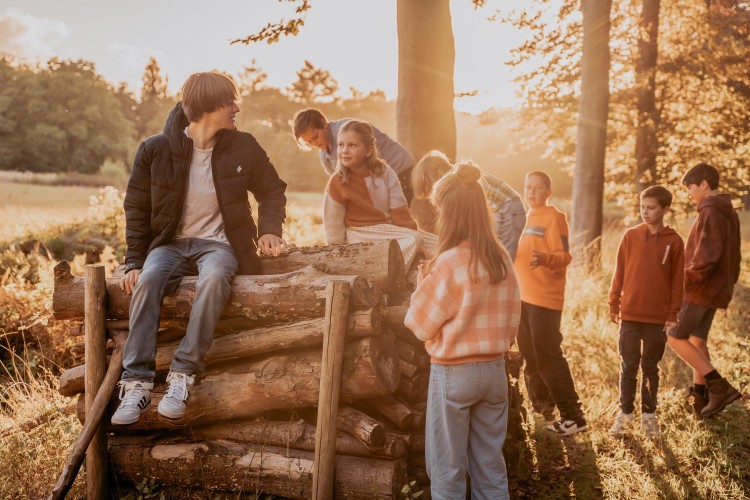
x=466 y=309
x=364 y=201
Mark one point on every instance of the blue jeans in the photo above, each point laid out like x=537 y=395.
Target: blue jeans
x=215 y=264
x=509 y=223
x=467 y=419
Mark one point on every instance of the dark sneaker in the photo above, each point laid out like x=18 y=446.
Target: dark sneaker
x=696 y=400
x=135 y=399
x=720 y=394
x=567 y=427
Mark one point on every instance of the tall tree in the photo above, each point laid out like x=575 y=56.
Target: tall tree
x=426 y=59
x=591 y=143
x=646 y=139
x=313 y=84
x=154 y=104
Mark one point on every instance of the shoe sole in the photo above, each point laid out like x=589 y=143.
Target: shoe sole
x=131 y=422
x=169 y=417
x=555 y=432
x=724 y=404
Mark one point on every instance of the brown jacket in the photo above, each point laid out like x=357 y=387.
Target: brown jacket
x=712 y=255
x=647 y=283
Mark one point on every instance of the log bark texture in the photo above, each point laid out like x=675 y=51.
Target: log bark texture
x=382 y=263
x=281 y=382
x=300 y=435
x=276 y=298
x=230 y=466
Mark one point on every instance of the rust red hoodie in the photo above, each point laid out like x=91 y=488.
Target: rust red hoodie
x=712 y=255
x=647 y=283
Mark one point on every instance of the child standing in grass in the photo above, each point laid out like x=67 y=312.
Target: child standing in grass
x=364 y=201
x=541 y=263
x=712 y=267
x=645 y=297
x=466 y=309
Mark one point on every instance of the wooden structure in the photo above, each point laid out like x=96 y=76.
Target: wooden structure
x=251 y=423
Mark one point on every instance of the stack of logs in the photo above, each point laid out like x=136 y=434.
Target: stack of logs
x=250 y=421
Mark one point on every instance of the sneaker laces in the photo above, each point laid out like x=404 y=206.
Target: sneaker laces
x=130 y=393
x=177 y=386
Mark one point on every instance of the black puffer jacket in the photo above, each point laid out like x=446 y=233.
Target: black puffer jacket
x=156 y=190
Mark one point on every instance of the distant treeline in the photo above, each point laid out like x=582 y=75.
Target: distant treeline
x=63 y=117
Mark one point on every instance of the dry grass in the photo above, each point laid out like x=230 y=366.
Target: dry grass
x=693 y=458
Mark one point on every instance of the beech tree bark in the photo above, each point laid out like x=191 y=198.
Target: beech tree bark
x=588 y=178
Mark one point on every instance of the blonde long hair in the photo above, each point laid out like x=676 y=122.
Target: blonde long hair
x=428 y=170
x=375 y=164
x=463 y=215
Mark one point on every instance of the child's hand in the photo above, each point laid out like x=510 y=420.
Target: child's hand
x=538 y=259
x=669 y=325
x=614 y=318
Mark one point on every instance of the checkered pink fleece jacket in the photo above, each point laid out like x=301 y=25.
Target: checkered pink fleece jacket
x=461 y=320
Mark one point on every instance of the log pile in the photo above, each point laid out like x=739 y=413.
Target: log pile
x=250 y=422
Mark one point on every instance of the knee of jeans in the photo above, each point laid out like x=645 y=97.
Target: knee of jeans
x=215 y=279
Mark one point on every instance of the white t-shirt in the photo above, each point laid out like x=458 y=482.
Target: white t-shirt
x=201 y=217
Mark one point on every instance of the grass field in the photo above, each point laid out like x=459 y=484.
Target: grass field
x=693 y=457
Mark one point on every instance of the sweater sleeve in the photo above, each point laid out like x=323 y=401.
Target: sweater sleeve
x=710 y=247
x=392 y=152
x=676 y=287
x=334 y=213
x=559 y=256
x=436 y=300
x=615 y=288
x=400 y=214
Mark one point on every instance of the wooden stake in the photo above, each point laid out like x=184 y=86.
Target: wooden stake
x=337 y=306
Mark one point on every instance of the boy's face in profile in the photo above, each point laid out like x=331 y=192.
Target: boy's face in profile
x=652 y=212
x=536 y=192
x=698 y=192
x=316 y=137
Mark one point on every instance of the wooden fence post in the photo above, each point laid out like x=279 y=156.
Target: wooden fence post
x=337 y=310
x=96 y=366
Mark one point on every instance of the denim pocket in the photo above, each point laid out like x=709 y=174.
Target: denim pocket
x=463 y=383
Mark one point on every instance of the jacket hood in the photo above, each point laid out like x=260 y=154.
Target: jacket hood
x=174 y=128
x=665 y=231
x=721 y=202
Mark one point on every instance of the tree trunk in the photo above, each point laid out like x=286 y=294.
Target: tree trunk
x=305 y=333
x=393 y=409
x=362 y=426
x=299 y=435
x=588 y=179
x=275 y=298
x=382 y=263
x=424 y=108
x=281 y=382
x=646 y=140
x=224 y=465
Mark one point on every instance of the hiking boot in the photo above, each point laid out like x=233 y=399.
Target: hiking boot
x=567 y=427
x=174 y=402
x=649 y=424
x=720 y=394
x=135 y=399
x=696 y=399
x=622 y=422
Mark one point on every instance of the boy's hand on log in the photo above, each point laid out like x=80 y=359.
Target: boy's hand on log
x=129 y=281
x=270 y=244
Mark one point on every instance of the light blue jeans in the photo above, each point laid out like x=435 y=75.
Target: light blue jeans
x=215 y=264
x=467 y=419
x=509 y=223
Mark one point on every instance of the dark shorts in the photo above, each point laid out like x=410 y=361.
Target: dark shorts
x=693 y=320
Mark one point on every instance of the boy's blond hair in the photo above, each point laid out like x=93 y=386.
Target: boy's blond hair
x=206 y=92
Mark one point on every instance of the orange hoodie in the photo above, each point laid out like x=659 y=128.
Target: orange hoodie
x=546 y=232
x=647 y=283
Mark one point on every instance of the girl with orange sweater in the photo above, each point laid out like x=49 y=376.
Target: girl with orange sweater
x=466 y=309
x=364 y=201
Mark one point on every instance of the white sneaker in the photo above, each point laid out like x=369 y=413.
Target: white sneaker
x=174 y=402
x=649 y=424
x=135 y=399
x=622 y=422
x=567 y=427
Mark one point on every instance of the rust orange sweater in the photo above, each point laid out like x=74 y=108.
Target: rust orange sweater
x=546 y=232
x=647 y=283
